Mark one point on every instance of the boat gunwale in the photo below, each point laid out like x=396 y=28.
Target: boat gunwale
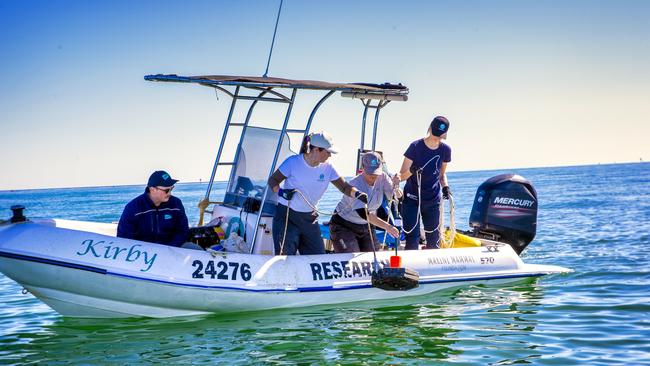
x=335 y=287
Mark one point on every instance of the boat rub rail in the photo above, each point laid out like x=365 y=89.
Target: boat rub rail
x=252 y=287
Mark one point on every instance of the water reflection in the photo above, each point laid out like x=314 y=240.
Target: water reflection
x=503 y=324
x=432 y=328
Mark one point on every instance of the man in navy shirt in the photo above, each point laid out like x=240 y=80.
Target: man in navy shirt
x=155 y=216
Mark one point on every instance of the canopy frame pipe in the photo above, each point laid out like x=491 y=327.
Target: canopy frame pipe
x=237 y=96
x=223 y=141
x=243 y=132
x=275 y=161
x=367 y=104
x=313 y=112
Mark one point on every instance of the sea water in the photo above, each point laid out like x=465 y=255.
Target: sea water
x=593 y=219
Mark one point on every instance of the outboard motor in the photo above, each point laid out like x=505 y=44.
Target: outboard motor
x=505 y=210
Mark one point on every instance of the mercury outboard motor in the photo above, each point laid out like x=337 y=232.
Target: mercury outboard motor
x=505 y=210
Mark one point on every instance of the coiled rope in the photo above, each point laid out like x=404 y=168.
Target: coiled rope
x=418 y=178
x=286 y=224
x=452 y=209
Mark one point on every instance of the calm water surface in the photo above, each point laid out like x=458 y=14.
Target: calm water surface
x=593 y=219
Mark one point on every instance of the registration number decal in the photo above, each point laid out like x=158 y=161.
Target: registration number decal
x=222 y=270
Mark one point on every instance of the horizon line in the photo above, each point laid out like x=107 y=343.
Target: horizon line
x=225 y=181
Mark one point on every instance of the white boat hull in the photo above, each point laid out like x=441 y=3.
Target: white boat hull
x=87 y=274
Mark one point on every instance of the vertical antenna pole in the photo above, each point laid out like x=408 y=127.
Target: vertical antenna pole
x=277 y=20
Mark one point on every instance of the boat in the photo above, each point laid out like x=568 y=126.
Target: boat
x=81 y=269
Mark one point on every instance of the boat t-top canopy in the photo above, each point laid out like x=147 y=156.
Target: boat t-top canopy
x=283 y=91
x=385 y=91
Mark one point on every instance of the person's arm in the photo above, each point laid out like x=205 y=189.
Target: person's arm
x=349 y=190
x=446 y=191
x=275 y=179
x=391 y=186
x=390 y=229
x=398 y=193
x=126 y=226
x=344 y=187
x=404 y=172
x=443 y=175
x=182 y=232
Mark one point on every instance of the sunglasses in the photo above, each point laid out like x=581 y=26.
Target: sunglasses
x=166 y=190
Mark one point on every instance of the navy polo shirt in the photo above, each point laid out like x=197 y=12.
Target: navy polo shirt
x=431 y=160
x=165 y=224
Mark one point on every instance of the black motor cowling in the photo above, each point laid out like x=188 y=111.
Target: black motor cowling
x=505 y=210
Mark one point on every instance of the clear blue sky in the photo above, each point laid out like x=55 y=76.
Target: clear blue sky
x=524 y=83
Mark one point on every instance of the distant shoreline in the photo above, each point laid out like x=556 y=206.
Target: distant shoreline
x=450 y=173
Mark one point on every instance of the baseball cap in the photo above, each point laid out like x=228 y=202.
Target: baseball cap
x=371 y=163
x=161 y=178
x=323 y=140
x=439 y=126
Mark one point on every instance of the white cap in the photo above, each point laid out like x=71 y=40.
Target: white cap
x=323 y=140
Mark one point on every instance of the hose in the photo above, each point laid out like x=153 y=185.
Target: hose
x=372 y=240
x=286 y=224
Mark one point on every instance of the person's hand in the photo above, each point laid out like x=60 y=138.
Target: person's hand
x=446 y=192
x=287 y=194
x=361 y=197
x=414 y=169
x=396 y=181
x=392 y=231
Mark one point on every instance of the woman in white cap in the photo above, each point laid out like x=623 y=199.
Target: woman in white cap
x=424 y=168
x=306 y=177
x=349 y=229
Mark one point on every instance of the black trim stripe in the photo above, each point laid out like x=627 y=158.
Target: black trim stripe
x=53 y=262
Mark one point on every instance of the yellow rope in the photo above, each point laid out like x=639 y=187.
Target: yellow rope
x=447 y=241
x=203 y=205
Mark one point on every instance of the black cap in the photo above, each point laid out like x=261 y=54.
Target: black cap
x=161 y=178
x=439 y=126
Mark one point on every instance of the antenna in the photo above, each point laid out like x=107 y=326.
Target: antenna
x=273 y=41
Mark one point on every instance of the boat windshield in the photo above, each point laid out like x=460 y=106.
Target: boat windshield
x=253 y=164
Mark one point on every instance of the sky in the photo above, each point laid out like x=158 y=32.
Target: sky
x=523 y=83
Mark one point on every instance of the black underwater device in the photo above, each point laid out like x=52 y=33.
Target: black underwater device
x=395 y=279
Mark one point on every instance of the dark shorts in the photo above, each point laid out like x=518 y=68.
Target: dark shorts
x=348 y=237
x=303 y=232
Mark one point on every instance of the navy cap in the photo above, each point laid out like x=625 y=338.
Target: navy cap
x=371 y=163
x=439 y=126
x=161 y=178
